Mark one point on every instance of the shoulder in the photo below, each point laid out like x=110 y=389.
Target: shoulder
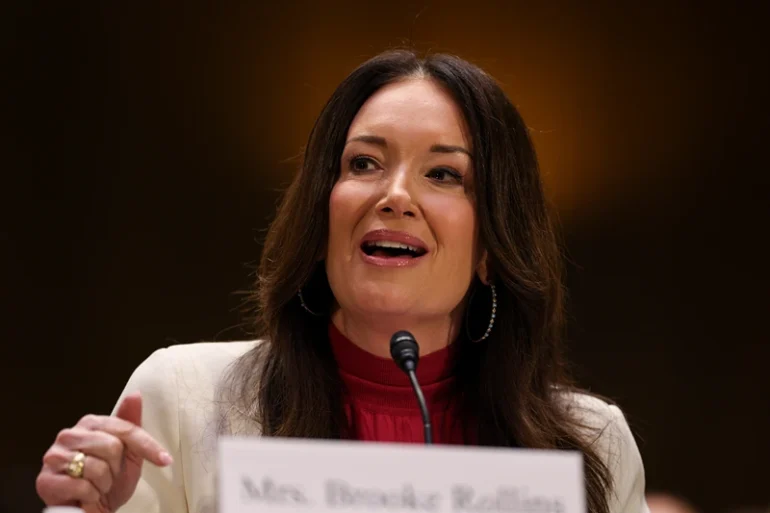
x=203 y=362
x=603 y=425
x=592 y=412
x=201 y=355
x=605 y=428
x=188 y=376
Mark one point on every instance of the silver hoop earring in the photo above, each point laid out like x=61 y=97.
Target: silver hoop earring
x=491 y=319
x=302 y=302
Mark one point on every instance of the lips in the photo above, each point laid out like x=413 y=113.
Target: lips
x=390 y=248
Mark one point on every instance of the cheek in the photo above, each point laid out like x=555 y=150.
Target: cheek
x=457 y=213
x=336 y=206
x=345 y=205
x=453 y=221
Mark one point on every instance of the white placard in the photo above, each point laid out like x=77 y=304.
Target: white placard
x=270 y=475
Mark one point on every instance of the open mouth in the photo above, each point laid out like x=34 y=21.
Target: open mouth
x=389 y=249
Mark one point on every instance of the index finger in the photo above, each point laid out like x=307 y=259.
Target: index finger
x=135 y=438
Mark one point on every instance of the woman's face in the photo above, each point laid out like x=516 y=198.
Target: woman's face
x=402 y=223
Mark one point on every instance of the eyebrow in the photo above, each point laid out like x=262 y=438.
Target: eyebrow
x=436 y=148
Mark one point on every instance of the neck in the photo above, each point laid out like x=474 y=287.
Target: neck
x=373 y=335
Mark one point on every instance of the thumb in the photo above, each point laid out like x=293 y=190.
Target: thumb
x=131 y=409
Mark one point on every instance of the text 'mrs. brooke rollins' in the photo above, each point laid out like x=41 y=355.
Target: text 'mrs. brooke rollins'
x=339 y=494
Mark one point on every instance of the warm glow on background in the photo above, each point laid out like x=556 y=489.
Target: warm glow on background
x=589 y=105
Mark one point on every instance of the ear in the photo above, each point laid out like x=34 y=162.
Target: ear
x=482 y=269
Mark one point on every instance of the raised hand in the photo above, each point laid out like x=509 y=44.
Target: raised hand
x=97 y=463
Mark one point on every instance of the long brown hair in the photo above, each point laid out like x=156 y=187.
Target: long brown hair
x=513 y=382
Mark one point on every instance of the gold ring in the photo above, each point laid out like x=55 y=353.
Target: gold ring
x=76 y=467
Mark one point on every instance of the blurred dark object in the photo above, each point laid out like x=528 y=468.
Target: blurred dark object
x=659 y=502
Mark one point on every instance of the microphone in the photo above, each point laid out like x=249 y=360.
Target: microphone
x=406 y=353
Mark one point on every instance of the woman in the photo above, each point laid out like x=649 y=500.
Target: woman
x=418 y=207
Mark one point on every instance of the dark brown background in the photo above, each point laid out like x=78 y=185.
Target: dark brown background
x=146 y=147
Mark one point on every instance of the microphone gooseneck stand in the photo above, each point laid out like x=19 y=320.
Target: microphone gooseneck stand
x=406 y=353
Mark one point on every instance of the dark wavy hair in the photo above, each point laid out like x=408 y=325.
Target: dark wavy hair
x=512 y=383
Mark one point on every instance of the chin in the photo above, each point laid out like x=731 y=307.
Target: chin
x=386 y=302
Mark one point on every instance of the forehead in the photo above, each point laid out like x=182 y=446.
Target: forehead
x=412 y=108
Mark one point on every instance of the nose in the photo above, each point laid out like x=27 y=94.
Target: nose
x=397 y=199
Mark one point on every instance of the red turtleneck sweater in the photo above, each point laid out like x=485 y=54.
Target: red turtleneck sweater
x=380 y=403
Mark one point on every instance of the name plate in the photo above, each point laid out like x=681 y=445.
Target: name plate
x=270 y=475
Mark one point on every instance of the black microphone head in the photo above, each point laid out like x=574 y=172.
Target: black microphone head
x=404 y=350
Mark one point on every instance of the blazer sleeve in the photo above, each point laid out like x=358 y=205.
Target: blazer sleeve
x=159 y=489
x=625 y=465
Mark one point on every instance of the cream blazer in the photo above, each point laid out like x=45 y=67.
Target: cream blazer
x=183 y=409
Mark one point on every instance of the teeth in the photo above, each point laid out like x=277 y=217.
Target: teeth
x=391 y=244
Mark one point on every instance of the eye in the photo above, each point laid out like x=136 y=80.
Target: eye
x=361 y=163
x=445 y=175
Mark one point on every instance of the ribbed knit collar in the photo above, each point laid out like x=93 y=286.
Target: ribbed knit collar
x=379 y=381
